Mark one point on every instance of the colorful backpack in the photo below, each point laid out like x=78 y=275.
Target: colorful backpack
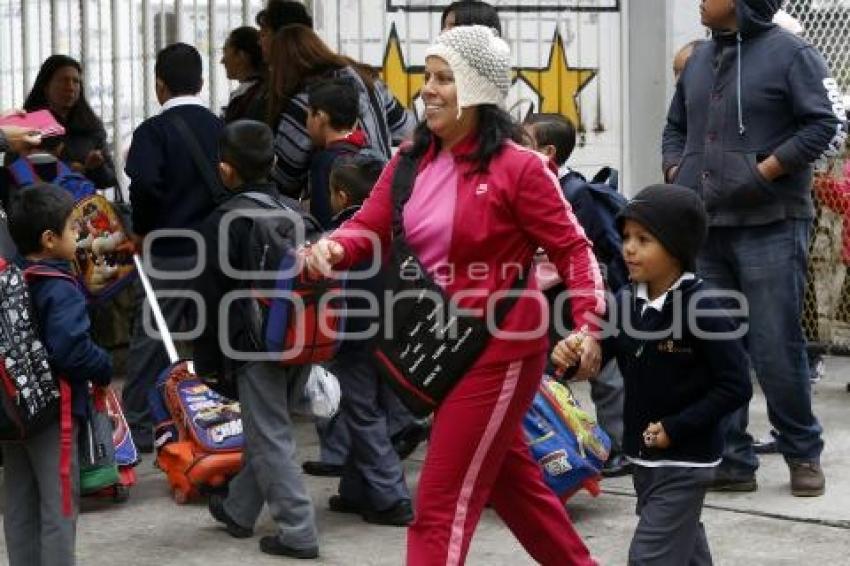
x=30 y=395
x=198 y=433
x=298 y=319
x=104 y=261
x=565 y=440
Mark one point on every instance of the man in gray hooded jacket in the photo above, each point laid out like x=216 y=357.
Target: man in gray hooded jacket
x=753 y=110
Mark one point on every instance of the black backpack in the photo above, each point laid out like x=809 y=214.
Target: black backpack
x=278 y=324
x=599 y=222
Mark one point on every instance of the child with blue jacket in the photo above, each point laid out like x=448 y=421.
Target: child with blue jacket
x=684 y=368
x=41 y=496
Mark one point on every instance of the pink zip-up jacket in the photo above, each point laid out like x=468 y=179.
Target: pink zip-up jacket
x=501 y=218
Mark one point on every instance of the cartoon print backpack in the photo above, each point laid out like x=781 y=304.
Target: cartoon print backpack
x=566 y=441
x=30 y=395
x=104 y=261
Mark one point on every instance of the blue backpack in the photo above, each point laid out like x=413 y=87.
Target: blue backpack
x=566 y=441
x=596 y=205
x=23 y=173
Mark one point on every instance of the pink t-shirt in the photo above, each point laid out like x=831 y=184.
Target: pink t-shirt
x=429 y=215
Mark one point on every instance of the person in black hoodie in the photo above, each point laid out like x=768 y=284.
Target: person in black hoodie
x=684 y=369
x=269 y=475
x=753 y=109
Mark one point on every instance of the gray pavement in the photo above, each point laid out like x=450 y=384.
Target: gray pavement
x=766 y=527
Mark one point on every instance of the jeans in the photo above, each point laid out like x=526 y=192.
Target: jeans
x=768 y=265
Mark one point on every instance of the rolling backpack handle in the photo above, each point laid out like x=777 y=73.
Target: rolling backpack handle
x=167 y=340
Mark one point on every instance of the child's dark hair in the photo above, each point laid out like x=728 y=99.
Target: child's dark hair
x=338 y=98
x=555 y=130
x=355 y=175
x=35 y=209
x=248 y=147
x=179 y=67
x=472 y=12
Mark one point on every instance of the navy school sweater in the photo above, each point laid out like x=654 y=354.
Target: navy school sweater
x=686 y=382
x=166 y=188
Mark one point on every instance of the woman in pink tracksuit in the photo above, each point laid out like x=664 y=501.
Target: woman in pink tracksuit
x=480 y=207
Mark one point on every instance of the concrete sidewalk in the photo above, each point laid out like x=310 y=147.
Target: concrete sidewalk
x=766 y=527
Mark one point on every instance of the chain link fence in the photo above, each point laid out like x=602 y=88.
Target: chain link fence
x=826 y=315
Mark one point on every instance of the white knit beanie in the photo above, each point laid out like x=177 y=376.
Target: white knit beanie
x=480 y=61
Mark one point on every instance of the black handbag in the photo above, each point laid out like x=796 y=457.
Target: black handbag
x=424 y=347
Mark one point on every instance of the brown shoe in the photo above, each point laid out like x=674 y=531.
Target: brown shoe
x=807 y=479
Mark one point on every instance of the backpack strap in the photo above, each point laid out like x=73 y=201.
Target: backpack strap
x=35 y=272
x=218 y=192
x=380 y=118
x=23 y=172
x=66 y=432
x=268 y=201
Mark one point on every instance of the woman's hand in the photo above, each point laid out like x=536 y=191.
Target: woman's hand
x=568 y=352
x=21 y=140
x=322 y=256
x=94 y=159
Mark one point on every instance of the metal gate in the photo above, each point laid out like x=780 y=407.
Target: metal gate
x=116 y=41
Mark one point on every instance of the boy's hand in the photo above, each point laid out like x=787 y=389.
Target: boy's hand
x=322 y=256
x=591 y=357
x=656 y=437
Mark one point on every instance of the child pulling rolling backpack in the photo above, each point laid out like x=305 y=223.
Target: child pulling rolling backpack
x=198 y=433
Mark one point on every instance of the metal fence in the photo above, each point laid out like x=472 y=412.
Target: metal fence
x=116 y=41
x=826 y=315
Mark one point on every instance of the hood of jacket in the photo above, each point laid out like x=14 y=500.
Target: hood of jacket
x=756 y=16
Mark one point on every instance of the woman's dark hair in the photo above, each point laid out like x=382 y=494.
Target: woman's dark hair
x=247 y=40
x=299 y=56
x=81 y=118
x=35 y=209
x=495 y=127
x=472 y=12
x=279 y=13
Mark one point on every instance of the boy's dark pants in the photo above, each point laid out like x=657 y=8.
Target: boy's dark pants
x=373 y=474
x=669 y=506
x=146 y=357
x=37 y=533
x=269 y=474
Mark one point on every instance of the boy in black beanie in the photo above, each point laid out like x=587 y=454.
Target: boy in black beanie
x=684 y=368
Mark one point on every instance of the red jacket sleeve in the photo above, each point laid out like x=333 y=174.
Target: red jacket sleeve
x=371 y=225
x=548 y=220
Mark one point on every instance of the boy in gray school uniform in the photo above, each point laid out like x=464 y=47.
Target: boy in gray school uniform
x=40 y=515
x=269 y=474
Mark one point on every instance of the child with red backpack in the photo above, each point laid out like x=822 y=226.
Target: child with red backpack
x=41 y=474
x=269 y=475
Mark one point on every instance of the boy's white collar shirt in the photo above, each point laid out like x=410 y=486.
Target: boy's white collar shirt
x=642 y=293
x=563 y=171
x=189 y=100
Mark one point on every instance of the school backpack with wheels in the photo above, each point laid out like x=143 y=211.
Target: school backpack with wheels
x=596 y=204
x=104 y=471
x=103 y=261
x=30 y=395
x=566 y=441
x=198 y=433
x=298 y=320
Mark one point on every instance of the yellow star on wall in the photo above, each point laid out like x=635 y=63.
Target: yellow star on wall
x=558 y=84
x=404 y=82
